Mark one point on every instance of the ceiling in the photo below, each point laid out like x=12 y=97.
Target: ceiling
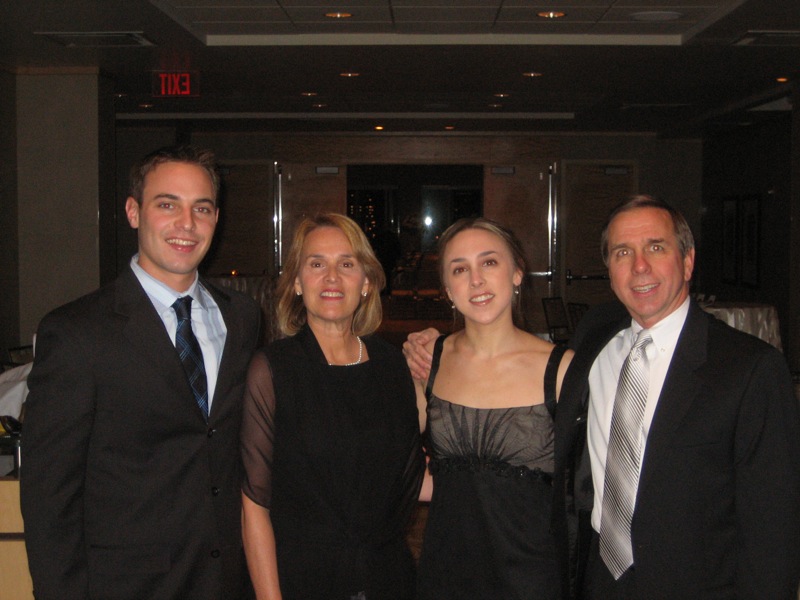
x=671 y=67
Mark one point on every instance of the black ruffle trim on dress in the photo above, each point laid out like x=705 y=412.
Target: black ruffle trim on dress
x=499 y=467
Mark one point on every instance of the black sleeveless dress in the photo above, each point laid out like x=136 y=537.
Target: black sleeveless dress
x=335 y=453
x=488 y=533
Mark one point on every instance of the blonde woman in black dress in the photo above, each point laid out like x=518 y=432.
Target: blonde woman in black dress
x=330 y=435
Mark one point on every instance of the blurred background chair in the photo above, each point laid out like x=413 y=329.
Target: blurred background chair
x=576 y=311
x=558 y=324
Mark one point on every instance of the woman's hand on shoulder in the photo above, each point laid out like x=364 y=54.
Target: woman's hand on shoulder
x=417 y=350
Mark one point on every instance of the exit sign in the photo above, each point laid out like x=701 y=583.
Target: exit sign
x=174 y=84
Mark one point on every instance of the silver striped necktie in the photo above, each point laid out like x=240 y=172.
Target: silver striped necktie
x=622 y=461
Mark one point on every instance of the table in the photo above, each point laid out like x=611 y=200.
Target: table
x=760 y=320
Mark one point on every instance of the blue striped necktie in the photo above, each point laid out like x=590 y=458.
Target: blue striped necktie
x=189 y=351
x=622 y=461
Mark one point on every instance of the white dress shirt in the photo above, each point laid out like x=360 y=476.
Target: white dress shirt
x=207 y=322
x=603 y=379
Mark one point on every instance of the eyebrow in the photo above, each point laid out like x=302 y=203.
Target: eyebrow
x=647 y=242
x=324 y=256
x=480 y=255
x=169 y=196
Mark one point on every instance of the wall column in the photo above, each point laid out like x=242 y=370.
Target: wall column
x=58 y=159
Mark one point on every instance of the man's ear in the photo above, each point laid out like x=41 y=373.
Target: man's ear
x=132 y=212
x=688 y=265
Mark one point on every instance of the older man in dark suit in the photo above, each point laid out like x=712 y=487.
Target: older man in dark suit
x=695 y=493
x=131 y=473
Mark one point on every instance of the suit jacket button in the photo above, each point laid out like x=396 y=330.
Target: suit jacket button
x=215 y=554
x=215 y=491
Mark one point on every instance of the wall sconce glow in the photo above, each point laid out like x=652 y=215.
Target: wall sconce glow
x=551 y=14
x=428 y=221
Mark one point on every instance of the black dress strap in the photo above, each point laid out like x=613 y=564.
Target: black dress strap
x=551 y=378
x=437 y=355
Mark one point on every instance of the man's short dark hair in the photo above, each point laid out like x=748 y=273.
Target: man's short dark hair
x=183 y=153
x=683 y=232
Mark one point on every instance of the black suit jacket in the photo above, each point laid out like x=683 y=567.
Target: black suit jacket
x=126 y=491
x=718 y=505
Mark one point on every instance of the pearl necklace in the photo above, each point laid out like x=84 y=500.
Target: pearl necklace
x=360 y=355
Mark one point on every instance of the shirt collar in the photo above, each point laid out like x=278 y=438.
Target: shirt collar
x=164 y=294
x=665 y=333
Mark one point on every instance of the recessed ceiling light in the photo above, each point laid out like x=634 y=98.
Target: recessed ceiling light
x=449 y=127
x=349 y=74
x=338 y=15
x=378 y=127
x=531 y=74
x=309 y=94
x=656 y=15
x=146 y=105
x=319 y=105
x=782 y=80
x=495 y=106
x=551 y=14
x=501 y=95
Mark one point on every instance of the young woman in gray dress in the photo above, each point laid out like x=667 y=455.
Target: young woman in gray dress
x=489 y=431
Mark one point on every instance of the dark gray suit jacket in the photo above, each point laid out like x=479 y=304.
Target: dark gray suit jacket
x=718 y=506
x=126 y=491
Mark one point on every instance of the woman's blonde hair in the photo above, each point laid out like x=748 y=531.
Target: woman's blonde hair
x=291 y=312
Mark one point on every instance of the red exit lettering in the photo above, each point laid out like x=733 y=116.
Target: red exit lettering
x=173 y=83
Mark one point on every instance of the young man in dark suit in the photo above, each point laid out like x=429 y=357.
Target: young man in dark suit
x=714 y=509
x=131 y=479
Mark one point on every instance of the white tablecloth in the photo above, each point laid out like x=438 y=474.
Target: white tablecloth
x=14 y=390
x=760 y=320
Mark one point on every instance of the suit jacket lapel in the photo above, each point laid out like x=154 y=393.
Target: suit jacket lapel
x=573 y=406
x=148 y=337
x=233 y=340
x=680 y=389
x=144 y=328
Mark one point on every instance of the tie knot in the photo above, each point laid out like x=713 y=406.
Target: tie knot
x=183 y=308
x=641 y=341
x=639 y=346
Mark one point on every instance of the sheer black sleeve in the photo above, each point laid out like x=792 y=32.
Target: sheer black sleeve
x=258 y=431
